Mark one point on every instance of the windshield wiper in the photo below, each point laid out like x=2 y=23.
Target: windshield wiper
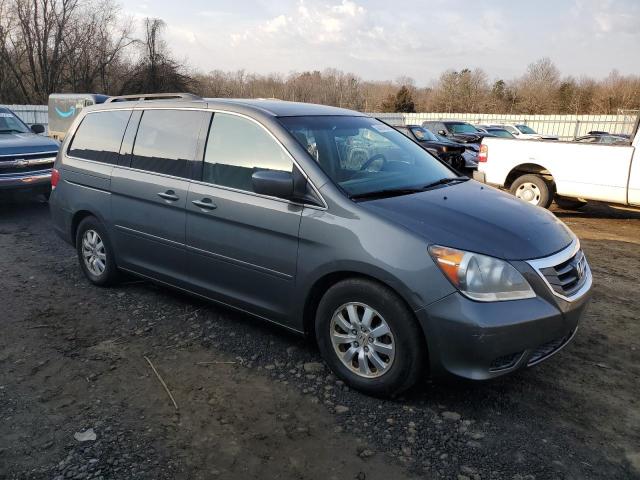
x=11 y=130
x=445 y=181
x=392 y=192
x=387 y=192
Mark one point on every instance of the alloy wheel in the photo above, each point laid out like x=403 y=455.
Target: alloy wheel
x=362 y=340
x=94 y=253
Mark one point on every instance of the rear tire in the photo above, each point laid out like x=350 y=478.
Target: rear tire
x=534 y=190
x=359 y=351
x=570 y=203
x=95 y=253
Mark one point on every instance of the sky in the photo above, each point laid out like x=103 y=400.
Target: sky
x=386 y=39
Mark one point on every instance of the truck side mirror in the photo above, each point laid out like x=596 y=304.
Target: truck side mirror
x=442 y=132
x=37 y=128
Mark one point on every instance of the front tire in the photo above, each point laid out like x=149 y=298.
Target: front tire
x=95 y=253
x=369 y=337
x=534 y=190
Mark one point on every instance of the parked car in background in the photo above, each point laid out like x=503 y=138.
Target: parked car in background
x=523 y=132
x=495 y=131
x=459 y=132
x=456 y=130
x=394 y=264
x=446 y=150
x=570 y=172
x=603 y=138
x=26 y=157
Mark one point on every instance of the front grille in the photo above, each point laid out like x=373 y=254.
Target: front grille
x=26 y=163
x=567 y=277
x=546 y=349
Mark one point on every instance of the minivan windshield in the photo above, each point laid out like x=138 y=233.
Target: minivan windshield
x=366 y=157
x=9 y=123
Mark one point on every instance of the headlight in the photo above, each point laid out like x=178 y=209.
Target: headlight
x=479 y=277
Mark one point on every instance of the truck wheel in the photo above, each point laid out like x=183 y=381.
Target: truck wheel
x=570 y=203
x=369 y=338
x=533 y=189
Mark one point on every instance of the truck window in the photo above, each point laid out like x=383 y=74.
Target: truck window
x=99 y=136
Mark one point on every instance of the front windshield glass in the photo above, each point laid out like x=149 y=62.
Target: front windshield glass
x=462 y=128
x=423 y=135
x=363 y=155
x=9 y=123
x=526 y=130
x=499 y=132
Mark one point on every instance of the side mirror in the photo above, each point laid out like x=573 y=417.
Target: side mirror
x=37 y=128
x=273 y=183
x=442 y=132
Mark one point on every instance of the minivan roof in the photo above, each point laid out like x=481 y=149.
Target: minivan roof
x=271 y=107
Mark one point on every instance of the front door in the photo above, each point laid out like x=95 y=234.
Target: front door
x=242 y=247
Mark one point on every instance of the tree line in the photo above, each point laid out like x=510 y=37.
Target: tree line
x=60 y=46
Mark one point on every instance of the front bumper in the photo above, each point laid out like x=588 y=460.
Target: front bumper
x=32 y=180
x=483 y=340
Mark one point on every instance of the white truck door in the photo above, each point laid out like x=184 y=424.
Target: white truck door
x=593 y=172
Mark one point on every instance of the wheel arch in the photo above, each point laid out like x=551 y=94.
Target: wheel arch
x=326 y=281
x=78 y=216
x=527 y=169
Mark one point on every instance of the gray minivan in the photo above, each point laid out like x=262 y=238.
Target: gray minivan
x=327 y=222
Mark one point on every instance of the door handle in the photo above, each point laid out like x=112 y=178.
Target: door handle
x=205 y=204
x=169 y=195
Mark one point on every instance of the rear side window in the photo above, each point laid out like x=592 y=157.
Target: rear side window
x=236 y=148
x=99 y=136
x=167 y=141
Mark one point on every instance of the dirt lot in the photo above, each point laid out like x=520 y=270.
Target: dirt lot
x=255 y=402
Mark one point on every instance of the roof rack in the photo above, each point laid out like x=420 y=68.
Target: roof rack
x=153 y=96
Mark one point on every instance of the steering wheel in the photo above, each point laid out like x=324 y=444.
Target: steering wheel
x=372 y=159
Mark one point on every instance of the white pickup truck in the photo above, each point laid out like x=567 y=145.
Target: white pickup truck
x=539 y=171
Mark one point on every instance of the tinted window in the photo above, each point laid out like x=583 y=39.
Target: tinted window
x=167 y=141
x=99 y=136
x=236 y=148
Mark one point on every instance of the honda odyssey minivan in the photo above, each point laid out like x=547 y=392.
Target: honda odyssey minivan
x=327 y=222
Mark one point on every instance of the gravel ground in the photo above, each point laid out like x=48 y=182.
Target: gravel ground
x=256 y=402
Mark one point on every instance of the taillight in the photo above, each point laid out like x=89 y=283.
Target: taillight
x=55 y=178
x=483 y=156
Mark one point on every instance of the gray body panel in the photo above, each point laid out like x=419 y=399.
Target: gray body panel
x=245 y=249
x=267 y=256
x=148 y=230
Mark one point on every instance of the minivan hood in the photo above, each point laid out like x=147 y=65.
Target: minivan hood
x=18 y=143
x=477 y=218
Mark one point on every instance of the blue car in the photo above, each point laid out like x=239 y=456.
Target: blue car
x=26 y=158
